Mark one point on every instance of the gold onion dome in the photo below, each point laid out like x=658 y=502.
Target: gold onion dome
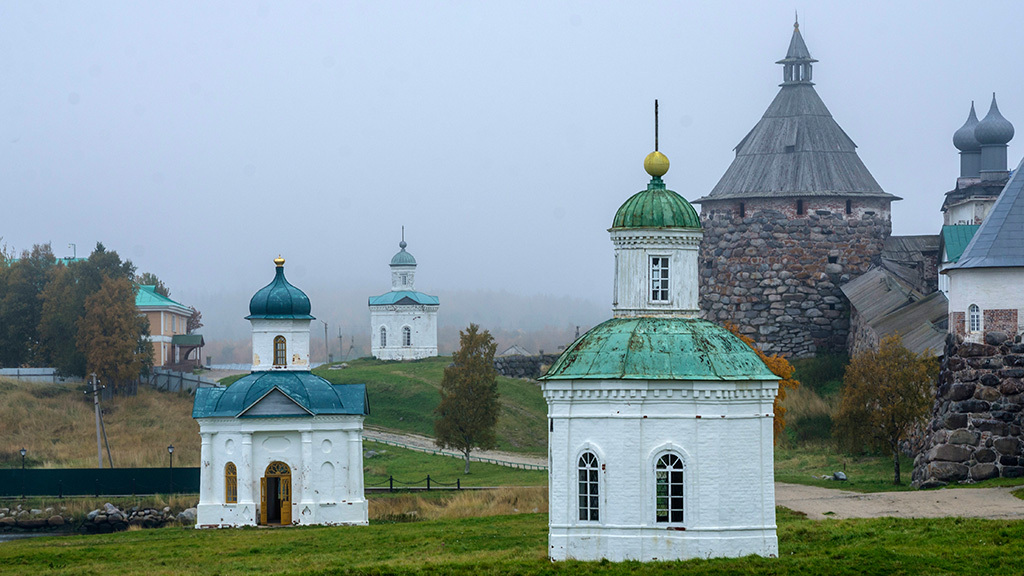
x=656 y=164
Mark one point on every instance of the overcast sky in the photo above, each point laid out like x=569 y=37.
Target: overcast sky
x=202 y=139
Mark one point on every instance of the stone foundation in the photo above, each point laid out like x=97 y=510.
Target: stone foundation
x=975 y=430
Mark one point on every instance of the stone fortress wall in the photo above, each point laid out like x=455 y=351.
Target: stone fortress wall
x=776 y=273
x=978 y=416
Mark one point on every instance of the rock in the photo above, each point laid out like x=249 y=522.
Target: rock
x=1011 y=386
x=369 y=454
x=964 y=437
x=55 y=520
x=91 y=516
x=1013 y=471
x=995 y=337
x=947 y=471
x=31 y=523
x=7 y=522
x=960 y=392
x=839 y=476
x=109 y=508
x=971 y=349
x=968 y=406
x=987 y=393
x=35 y=511
x=985 y=455
x=981 y=472
x=1007 y=446
x=949 y=453
x=115 y=518
x=956 y=421
x=187 y=516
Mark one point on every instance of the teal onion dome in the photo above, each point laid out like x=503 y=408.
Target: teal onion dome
x=650 y=348
x=403 y=258
x=656 y=208
x=279 y=299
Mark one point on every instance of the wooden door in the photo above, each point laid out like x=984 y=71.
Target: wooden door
x=263 y=500
x=285 y=498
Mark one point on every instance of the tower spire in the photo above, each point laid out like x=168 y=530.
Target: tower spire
x=655 y=124
x=796 y=66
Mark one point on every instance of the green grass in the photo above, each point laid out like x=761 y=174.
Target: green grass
x=412 y=467
x=807 y=463
x=516 y=545
x=403 y=396
x=823 y=373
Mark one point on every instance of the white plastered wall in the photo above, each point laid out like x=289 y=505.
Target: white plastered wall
x=422 y=322
x=989 y=288
x=723 y=432
x=296 y=333
x=632 y=286
x=324 y=453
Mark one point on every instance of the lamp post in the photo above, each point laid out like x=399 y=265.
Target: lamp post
x=170 y=469
x=23 y=452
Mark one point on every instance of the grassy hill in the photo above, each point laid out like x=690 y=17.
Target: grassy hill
x=403 y=396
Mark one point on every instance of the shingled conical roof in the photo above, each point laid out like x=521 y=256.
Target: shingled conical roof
x=997 y=243
x=797 y=149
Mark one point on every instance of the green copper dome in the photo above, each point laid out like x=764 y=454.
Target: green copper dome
x=403 y=258
x=279 y=299
x=652 y=348
x=656 y=207
x=311 y=392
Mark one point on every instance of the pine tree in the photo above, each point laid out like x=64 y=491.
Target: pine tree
x=468 y=411
x=886 y=393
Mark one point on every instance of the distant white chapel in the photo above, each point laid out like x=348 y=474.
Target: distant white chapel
x=281 y=445
x=403 y=322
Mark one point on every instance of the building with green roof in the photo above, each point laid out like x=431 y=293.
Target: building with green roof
x=661 y=423
x=281 y=445
x=403 y=322
x=168 y=329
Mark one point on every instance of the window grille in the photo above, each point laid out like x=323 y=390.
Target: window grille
x=230 y=484
x=588 y=487
x=406 y=336
x=659 y=279
x=669 y=489
x=974 y=318
x=280 y=351
x=383 y=337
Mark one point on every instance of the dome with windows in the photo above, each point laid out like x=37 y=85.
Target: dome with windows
x=279 y=299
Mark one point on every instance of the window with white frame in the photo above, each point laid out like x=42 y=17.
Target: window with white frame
x=280 y=351
x=974 y=318
x=406 y=336
x=587 y=472
x=383 y=337
x=668 y=478
x=659 y=278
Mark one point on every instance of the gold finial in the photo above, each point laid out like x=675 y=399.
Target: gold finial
x=796 y=20
x=279 y=261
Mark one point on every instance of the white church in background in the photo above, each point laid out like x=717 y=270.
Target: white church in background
x=403 y=322
x=281 y=445
x=661 y=424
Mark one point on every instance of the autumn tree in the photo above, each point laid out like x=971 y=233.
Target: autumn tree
x=781 y=368
x=195 y=321
x=110 y=334
x=468 y=410
x=886 y=394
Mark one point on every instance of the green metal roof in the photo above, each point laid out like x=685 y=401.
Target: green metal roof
x=956 y=237
x=147 y=296
x=306 y=389
x=402 y=258
x=659 y=349
x=279 y=300
x=187 y=340
x=656 y=207
x=401 y=297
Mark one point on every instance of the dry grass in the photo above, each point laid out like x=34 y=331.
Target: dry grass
x=467 y=504
x=804 y=402
x=56 y=425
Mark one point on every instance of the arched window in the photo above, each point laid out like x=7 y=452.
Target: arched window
x=230 y=484
x=406 y=336
x=280 y=351
x=974 y=318
x=588 y=495
x=383 y=337
x=668 y=474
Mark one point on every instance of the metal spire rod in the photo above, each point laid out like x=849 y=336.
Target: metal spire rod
x=655 y=124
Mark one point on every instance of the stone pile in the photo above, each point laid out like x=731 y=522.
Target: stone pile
x=975 y=430
x=777 y=275
x=18 y=519
x=519 y=366
x=110 y=518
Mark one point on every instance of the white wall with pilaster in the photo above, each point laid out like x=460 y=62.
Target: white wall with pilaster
x=296 y=334
x=422 y=323
x=324 y=454
x=723 y=431
x=634 y=248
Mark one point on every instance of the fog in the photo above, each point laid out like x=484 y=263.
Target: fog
x=201 y=140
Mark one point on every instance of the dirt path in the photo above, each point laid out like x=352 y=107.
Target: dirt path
x=428 y=444
x=820 y=503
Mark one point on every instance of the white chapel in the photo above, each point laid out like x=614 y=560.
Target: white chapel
x=281 y=445
x=403 y=322
x=661 y=424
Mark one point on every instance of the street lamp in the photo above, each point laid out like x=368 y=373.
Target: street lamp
x=170 y=454
x=170 y=470
x=23 y=452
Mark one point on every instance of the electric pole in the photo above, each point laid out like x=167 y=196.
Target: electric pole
x=96 y=406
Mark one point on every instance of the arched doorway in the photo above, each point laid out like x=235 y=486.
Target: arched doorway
x=276 y=494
